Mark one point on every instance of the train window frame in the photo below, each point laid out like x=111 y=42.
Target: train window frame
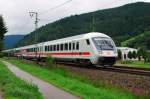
x=87 y=41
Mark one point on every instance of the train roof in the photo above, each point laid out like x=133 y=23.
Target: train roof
x=77 y=37
x=67 y=39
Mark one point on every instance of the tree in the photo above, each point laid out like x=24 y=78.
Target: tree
x=134 y=54
x=3 y=30
x=130 y=54
x=142 y=53
x=148 y=56
x=119 y=54
x=139 y=53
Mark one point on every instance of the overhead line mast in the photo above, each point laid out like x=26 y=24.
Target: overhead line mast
x=36 y=27
x=35 y=22
x=36 y=15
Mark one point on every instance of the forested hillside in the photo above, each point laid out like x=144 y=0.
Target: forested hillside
x=120 y=23
x=142 y=40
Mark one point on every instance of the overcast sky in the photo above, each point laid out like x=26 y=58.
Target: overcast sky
x=18 y=21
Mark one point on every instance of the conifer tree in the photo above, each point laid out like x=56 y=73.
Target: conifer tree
x=3 y=30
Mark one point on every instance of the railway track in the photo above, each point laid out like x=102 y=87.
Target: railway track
x=130 y=70
x=120 y=69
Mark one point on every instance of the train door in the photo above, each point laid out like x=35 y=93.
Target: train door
x=76 y=51
x=73 y=50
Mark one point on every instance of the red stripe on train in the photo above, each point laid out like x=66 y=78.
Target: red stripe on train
x=57 y=53
x=69 y=53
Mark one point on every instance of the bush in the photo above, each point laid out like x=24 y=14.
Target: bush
x=130 y=54
x=50 y=62
x=147 y=57
x=2 y=55
x=119 y=54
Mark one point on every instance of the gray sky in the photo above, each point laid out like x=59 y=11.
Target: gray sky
x=18 y=21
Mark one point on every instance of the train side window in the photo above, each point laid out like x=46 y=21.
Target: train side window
x=77 y=46
x=66 y=46
x=34 y=49
x=54 y=47
x=45 y=48
x=61 y=47
x=57 y=47
x=87 y=41
x=69 y=46
x=48 y=48
x=73 y=46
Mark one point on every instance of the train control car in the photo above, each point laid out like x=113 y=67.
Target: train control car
x=90 y=48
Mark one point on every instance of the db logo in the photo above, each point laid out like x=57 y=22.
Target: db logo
x=108 y=53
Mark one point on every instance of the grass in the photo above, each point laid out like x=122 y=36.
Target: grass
x=75 y=84
x=15 y=88
x=135 y=63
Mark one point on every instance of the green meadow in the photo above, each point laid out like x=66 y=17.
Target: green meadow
x=14 y=88
x=75 y=84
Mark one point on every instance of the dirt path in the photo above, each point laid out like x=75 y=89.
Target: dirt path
x=49 y=91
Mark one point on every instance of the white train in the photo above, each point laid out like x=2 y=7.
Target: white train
x=90 y=48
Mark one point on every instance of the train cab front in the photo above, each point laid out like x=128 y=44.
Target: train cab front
x=106 y=51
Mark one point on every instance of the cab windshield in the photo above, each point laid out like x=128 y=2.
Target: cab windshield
x=103 y=43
